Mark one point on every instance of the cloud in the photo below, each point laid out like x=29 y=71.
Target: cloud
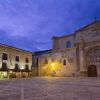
x=30 y=24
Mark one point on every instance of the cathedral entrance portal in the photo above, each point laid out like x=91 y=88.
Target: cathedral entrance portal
x=93 y=60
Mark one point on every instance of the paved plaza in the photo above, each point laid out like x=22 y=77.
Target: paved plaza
x=50 y=88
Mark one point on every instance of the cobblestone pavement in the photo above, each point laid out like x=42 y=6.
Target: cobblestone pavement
x=50 y=88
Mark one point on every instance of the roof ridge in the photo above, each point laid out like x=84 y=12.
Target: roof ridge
x=87 y=25
x=1 y=44
x=67 y=35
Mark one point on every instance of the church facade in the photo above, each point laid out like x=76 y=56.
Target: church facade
x=77 y=54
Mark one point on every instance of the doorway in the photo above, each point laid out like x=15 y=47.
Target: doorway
x=92 y=71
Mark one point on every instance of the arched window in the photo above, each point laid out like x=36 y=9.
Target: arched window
x=68 y=44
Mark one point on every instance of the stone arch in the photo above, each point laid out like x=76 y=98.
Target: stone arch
x=92 y=56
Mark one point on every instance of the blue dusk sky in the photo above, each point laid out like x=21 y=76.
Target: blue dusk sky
x=30 y=24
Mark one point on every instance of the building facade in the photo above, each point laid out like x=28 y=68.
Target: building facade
x=14 y=62
x=41 y=62
x=77 y=54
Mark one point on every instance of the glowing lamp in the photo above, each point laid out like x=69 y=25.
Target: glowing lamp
x=52 y=66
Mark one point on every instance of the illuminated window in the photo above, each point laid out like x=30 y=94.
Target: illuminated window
x=5 y=56
x=26 y=59
x=17 y=58
x=68 y=44
x=64 y=62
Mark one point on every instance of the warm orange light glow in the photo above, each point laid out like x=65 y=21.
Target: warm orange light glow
x=53 y=66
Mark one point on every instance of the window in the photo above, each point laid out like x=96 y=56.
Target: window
x=16 y=66
x=4 y=66
x=26 y=67
x=64 y=62
x=17 y=58
x=68 y=44
x=5 y=56
x=26 y=59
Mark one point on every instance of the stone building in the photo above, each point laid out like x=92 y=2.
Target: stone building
x=14 y=62
x=41 y=60
x=77 y=54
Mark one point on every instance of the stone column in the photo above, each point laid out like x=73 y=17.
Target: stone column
x=83 y=71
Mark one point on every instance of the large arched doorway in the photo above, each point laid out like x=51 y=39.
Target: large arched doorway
x=93 y=60
x=92 y=71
